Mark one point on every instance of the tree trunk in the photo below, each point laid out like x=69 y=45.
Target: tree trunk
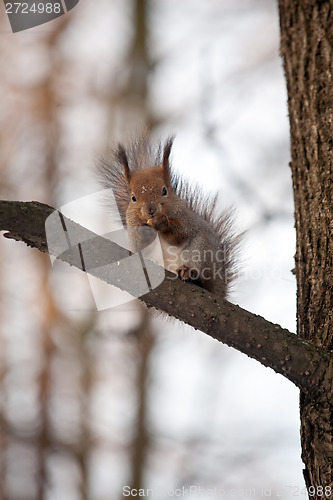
x=306 y=48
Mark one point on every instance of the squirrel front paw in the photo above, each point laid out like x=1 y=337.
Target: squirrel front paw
x=159 y=222
x=184 y=273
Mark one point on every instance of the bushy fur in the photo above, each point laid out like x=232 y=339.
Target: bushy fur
x=140 y=155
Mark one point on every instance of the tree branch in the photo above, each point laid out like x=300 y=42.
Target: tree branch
x=43 y=227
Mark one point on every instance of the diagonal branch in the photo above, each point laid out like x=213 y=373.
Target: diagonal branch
x=299 y=361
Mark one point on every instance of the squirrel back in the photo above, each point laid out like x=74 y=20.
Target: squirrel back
x=197 y=243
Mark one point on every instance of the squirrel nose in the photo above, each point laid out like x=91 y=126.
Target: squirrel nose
x=152 y=209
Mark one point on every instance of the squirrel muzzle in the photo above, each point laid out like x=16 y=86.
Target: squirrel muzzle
x=151 y=210
x=156 y=218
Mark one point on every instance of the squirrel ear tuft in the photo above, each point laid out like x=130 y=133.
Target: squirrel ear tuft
x=166 y=162
x=123 y=160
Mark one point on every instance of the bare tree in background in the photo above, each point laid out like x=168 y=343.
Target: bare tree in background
x=127 y=103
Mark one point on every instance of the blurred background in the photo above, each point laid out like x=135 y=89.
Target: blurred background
x=94 y=403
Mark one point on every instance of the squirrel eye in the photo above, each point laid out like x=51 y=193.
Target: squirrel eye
x=133 y=197
x=164 y=191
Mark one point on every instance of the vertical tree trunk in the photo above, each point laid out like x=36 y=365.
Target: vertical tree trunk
x=306 y=48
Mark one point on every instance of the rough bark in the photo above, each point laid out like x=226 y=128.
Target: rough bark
x=306 y=47
x=306 y=365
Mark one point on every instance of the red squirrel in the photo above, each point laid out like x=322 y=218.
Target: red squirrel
x=197 y=244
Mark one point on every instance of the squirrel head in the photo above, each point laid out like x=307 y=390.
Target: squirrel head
x=149 y=188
